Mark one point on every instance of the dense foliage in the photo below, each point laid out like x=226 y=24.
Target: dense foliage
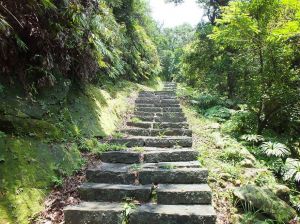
x=243 y=65
x=170 y=48
x=252 y=55
x=82 y=40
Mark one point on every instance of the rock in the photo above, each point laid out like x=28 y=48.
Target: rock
x=250 y=173
x=266 y=201
x=237 y=183
x=194 y=102
x=247 y=163
x=212 y=180
x=213 y=126
x=283 y=192
x=222 y=184
x=225 y=176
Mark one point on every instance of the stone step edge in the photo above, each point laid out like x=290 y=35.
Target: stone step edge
x=115 y=212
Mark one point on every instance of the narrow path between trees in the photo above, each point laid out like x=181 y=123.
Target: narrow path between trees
x=156 y=178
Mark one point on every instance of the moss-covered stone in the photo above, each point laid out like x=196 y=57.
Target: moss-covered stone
x=26 y=173
x=28 y=126
x=266 y=201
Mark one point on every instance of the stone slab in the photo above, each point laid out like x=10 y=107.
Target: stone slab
x=173 y=176
x=172 y=194
x=94 y=212
x=114 y=192
x=173 y=214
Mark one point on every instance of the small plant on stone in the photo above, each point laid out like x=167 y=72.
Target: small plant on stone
x=135 y=120
x=138 y=149
x=231 y=155
x=105 y=147
x=86 y=144
x=57 y=181
x=128 y=206
x=162 y=134
x=135 y=167
x=118 y=135
x=154 y=194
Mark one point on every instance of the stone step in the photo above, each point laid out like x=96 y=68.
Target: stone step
x=176 y=164
x=173 y=214
x=159 y=97
x=169 y=89
x=173 y=176
x=143 y=118
x=170 y=125
x=161 y=118
x=156 y=97
x=148 y=173
x=114 y=192
x=156 y=104
x=154 y=100
x=161 y=93
x=164 y=142
x=157 y=132
x=170 y=119
x=158 y=114
x=113 y=213
x=140 y=124
x=112 y=173
x=172 y=194
x=94 y=212
x=159 y=125
x=146 y=95
x=164 y=92
x=158 y=109
x=156 y=155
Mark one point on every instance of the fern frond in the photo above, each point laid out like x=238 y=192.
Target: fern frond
x=292 y=167
x=275 y=149
x=252 y=138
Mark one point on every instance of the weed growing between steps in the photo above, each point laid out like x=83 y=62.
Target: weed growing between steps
x=129 y=207
x=94 y=146
x=231 y=165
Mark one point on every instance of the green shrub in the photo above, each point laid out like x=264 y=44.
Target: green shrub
x=232 y=155
x=219 y=113
x=87 y=145
x=241 y=122
x=105 y=147
x=207 y=101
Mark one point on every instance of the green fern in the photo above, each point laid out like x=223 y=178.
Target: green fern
x=48 y=4
x=275 y=149
x=252 y=138
x=292 y=167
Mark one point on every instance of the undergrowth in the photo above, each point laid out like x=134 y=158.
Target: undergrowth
x=235 y=156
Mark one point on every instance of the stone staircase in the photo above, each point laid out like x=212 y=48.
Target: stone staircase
x=158 y=172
